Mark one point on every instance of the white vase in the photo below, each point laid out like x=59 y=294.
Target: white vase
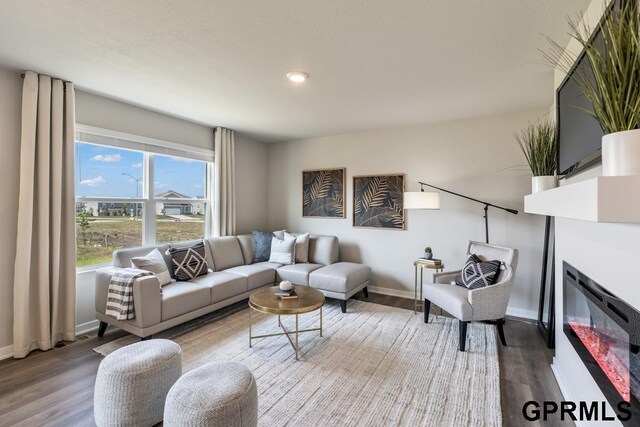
x=542 y=183
x=621 y=153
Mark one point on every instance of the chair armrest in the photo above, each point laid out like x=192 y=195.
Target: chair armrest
x=490 y=303
x=445 y=277
x=147 y=297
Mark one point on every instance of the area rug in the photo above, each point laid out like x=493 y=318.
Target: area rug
x=375 y=365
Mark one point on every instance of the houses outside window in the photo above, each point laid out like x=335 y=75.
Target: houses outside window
x=128 y=194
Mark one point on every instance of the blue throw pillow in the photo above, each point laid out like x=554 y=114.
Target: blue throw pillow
x=261 y=245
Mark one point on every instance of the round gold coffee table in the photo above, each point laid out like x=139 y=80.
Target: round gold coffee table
x=266 y=301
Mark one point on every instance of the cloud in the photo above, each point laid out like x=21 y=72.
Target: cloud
x=182 y=159
x=136 y=165
x=158 y=185
x=107 y=158
x=93 y=182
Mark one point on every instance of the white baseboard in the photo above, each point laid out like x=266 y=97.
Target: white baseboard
x=87 y=327
x=391 y=292
x=511 y=311
x=6 y=352
x=522 y=313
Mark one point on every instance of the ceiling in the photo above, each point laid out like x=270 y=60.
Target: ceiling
x=373 y=63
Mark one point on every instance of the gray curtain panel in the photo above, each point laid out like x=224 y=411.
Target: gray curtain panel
x=44 y=285
x=224 y=185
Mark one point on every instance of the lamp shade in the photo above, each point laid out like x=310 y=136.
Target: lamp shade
x=421 y=200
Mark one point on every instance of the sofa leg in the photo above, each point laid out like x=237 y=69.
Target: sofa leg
x=343 y=305
x=463 y=334
x=365 y=291
x=102 y=328
x=426 y=308
x=500 y=324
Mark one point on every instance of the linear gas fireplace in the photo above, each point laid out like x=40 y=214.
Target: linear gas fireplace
x=605 y=332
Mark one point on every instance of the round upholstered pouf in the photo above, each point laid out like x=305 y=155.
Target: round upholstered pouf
x=216 y=394
x=133 y=382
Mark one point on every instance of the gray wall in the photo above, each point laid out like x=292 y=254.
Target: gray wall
x=252 y=162
x=476 y=157
x=10 y=106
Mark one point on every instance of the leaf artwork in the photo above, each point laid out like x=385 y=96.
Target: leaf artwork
x=378 y=201
x=323 y=193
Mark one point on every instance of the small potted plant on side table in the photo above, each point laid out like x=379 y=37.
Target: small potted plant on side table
x=428 y=253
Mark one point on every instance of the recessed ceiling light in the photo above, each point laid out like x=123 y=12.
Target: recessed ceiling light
x=297 y=76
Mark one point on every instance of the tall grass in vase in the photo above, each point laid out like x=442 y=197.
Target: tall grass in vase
x=538 y=143
x=612 y=84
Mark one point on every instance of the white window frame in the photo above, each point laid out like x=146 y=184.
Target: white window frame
x=148 y=200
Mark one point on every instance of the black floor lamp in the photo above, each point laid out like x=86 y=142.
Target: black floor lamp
x=486 y=205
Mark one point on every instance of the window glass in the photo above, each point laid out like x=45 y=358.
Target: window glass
x=108 y=172
x=103 y=227
x=175 y=177
x=177 y=220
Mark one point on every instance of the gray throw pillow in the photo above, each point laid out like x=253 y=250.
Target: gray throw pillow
x=153 y=262
x=190 y=262
x=302 y=246
x=283 y=251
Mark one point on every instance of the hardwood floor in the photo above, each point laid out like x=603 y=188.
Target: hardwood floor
x=55 y=388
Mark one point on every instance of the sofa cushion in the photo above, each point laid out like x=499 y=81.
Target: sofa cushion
x=183 y=297
x=298 y=274
x=225 y=252
x=223 y=285
x=451 y=298
x=340 y=277
x=259 y=274
x=246 y=245
x=323 y=249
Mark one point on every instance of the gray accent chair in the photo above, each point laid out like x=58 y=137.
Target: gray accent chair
x=483 y=304
x=234 y=277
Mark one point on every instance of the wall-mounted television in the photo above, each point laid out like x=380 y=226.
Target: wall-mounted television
x=579 y=134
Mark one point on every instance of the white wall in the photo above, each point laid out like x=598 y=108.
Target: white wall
x=10 y=113
x=475 y=157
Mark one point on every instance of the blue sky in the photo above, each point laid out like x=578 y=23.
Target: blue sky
x=99 y=172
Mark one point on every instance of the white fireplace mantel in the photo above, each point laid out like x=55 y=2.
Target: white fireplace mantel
x=599 y=199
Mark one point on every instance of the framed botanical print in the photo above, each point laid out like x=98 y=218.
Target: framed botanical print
x=323 y=193
x=378 y=201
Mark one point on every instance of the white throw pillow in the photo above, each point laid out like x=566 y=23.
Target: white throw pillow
x=153 y=262
x=283 y=251
x=302 y=246
x=279 y=234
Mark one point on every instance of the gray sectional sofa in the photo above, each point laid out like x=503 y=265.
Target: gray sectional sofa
x=233 y=279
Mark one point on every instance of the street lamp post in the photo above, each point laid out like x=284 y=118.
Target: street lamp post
x=135 y=213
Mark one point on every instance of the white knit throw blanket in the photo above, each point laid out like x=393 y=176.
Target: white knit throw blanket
x=120 y=295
